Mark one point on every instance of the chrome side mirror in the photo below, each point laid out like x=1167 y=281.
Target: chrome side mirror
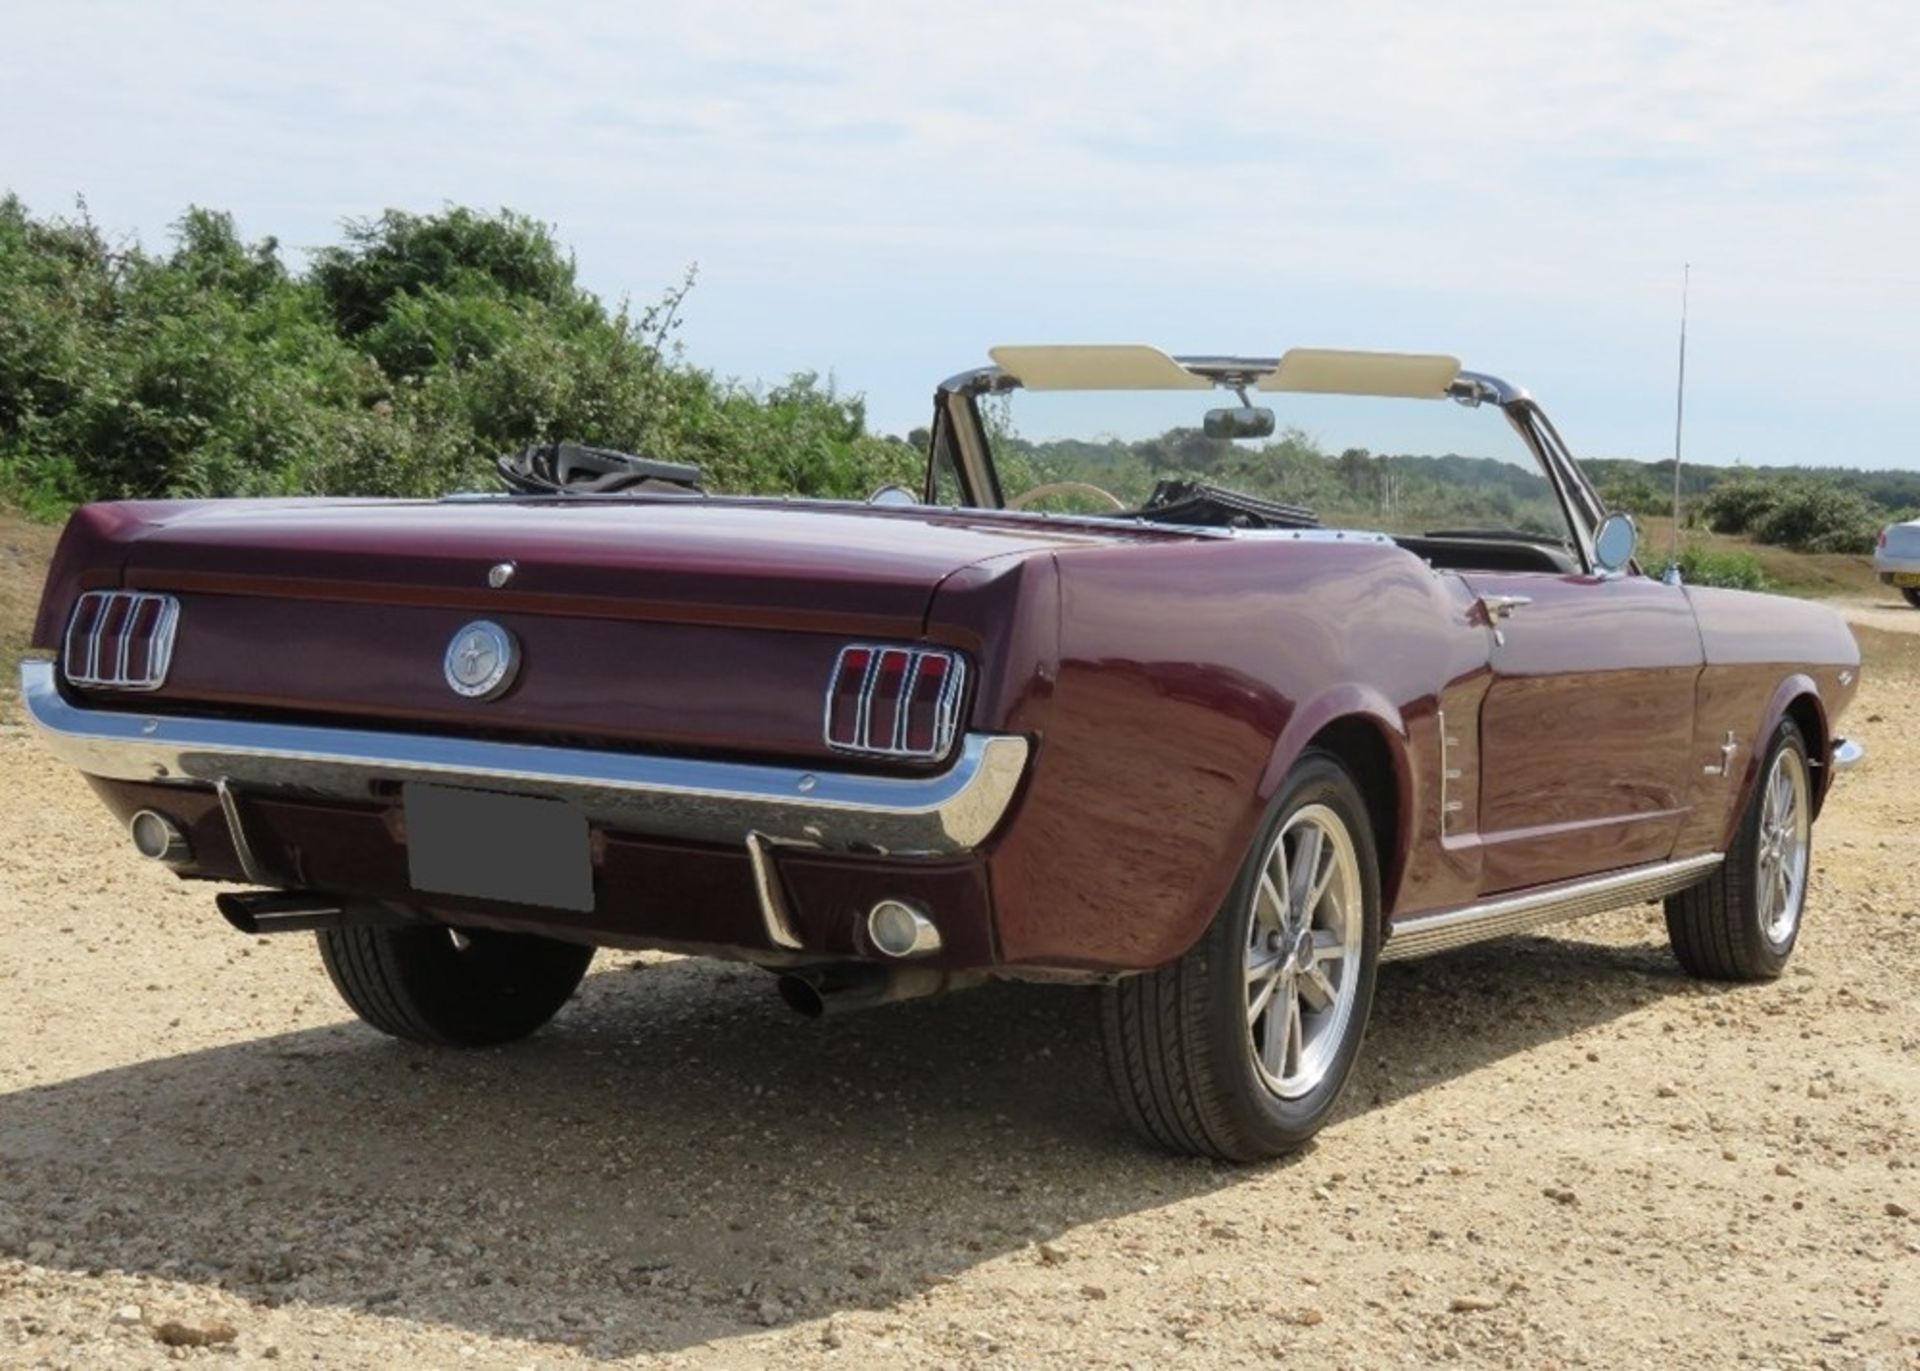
x=1613 y=545
x=897 y=496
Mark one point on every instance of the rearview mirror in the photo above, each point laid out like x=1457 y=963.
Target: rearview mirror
x=1613 y=545
x=1241 y=421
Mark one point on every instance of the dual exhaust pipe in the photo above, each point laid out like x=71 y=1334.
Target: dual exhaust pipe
x=898 y=930
x=844 y=987
x=282 y=911
x=159 y=838
x=895 y=928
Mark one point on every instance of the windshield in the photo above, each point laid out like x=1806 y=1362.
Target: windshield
x=1406 y=467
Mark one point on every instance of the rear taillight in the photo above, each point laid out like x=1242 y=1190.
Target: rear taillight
x=120 y=640
x=1883 y=539
x=895 y=701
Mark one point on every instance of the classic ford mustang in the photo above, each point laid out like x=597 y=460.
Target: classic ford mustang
x=1215 y=723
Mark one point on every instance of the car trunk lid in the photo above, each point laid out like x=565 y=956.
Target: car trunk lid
x=706 y=626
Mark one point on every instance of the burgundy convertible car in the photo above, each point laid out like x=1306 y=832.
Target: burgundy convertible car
x=1216 y=721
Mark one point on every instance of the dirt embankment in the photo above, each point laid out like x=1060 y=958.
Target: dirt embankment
x=1557 y=1152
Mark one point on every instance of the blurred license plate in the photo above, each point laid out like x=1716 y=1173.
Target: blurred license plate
x=497 y=847
x=1909 y=580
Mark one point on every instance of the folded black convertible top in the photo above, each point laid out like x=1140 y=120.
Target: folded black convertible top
x=570 y=469
x=1199 y=505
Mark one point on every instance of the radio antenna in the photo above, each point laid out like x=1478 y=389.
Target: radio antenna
x=1679 y=420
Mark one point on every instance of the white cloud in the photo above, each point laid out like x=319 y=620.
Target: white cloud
x=882 y=188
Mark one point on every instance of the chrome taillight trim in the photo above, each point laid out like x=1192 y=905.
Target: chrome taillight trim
x=946 y=709
x=104 y=662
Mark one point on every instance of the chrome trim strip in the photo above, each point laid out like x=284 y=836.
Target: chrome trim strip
x=950 y=811
x=1846 y=753
x=1425 y=934
x=897 y=744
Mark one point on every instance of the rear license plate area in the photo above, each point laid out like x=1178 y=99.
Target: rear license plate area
x=487 y=846
x=1907 y=580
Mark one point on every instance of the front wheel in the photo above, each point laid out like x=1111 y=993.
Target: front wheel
x=1740 y=924
x=1240 y=1049
x=1913 y=595
x=452 y=987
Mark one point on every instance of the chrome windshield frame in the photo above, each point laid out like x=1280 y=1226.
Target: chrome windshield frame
x=957 y=408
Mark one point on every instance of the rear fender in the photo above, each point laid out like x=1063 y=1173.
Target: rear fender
x=1785 y=695
x=1366 y=705
x=91 y=555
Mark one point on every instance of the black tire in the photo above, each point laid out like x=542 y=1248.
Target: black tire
x=1912 y=594
x=469 y=987
x=1718 y=928
x=1179 y=1049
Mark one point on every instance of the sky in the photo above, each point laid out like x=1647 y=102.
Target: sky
x=880 y=191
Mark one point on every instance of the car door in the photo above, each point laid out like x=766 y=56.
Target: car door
x=1586 y=729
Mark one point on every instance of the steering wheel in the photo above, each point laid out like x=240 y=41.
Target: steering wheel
x=1027 y=497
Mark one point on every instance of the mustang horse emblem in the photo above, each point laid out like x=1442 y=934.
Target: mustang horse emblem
x=481 y=660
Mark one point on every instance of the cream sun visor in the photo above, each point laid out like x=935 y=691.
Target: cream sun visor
x=1095 y=366
x=1330 y=371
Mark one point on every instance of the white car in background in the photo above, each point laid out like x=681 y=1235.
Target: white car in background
x=1896 y=556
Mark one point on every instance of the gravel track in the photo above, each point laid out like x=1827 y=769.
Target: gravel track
x=1557 y=1152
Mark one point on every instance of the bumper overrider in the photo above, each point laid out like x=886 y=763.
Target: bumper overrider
x=947 y=813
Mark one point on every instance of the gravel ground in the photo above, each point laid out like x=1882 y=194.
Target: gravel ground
x=1558 y=1152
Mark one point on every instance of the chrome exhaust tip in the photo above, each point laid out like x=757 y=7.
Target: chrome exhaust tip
x=838 y=988
x=158 y=838
x=279 y=911
x=899 y=929
x=804 y=994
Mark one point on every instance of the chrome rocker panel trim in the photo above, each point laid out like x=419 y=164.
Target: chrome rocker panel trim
x=950 y=812
x=1422 y=935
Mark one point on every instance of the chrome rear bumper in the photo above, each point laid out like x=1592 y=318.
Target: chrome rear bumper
x=950 y=812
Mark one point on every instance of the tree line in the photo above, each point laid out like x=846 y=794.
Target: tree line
x=410 y=353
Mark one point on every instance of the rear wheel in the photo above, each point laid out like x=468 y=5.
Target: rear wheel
x=1240 y=1049
x=453 y=987
x=1913 y=595
x=1740 y=924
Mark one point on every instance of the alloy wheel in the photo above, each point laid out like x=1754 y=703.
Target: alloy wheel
x=1786 y=821
x=1302 y=956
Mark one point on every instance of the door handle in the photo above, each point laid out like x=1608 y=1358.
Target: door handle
x=1500 y=607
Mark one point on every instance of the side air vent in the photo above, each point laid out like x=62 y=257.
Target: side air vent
x=121 y=640
x=895 y=701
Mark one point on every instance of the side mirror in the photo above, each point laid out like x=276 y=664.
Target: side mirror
x=1241 y=421
x=1613 y=545
x=894 y=495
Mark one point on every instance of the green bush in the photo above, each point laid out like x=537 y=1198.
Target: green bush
x=1803 y=514
x=1737 y=506
x=1814 y=517
x=1735 y=570
x=408 y=357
